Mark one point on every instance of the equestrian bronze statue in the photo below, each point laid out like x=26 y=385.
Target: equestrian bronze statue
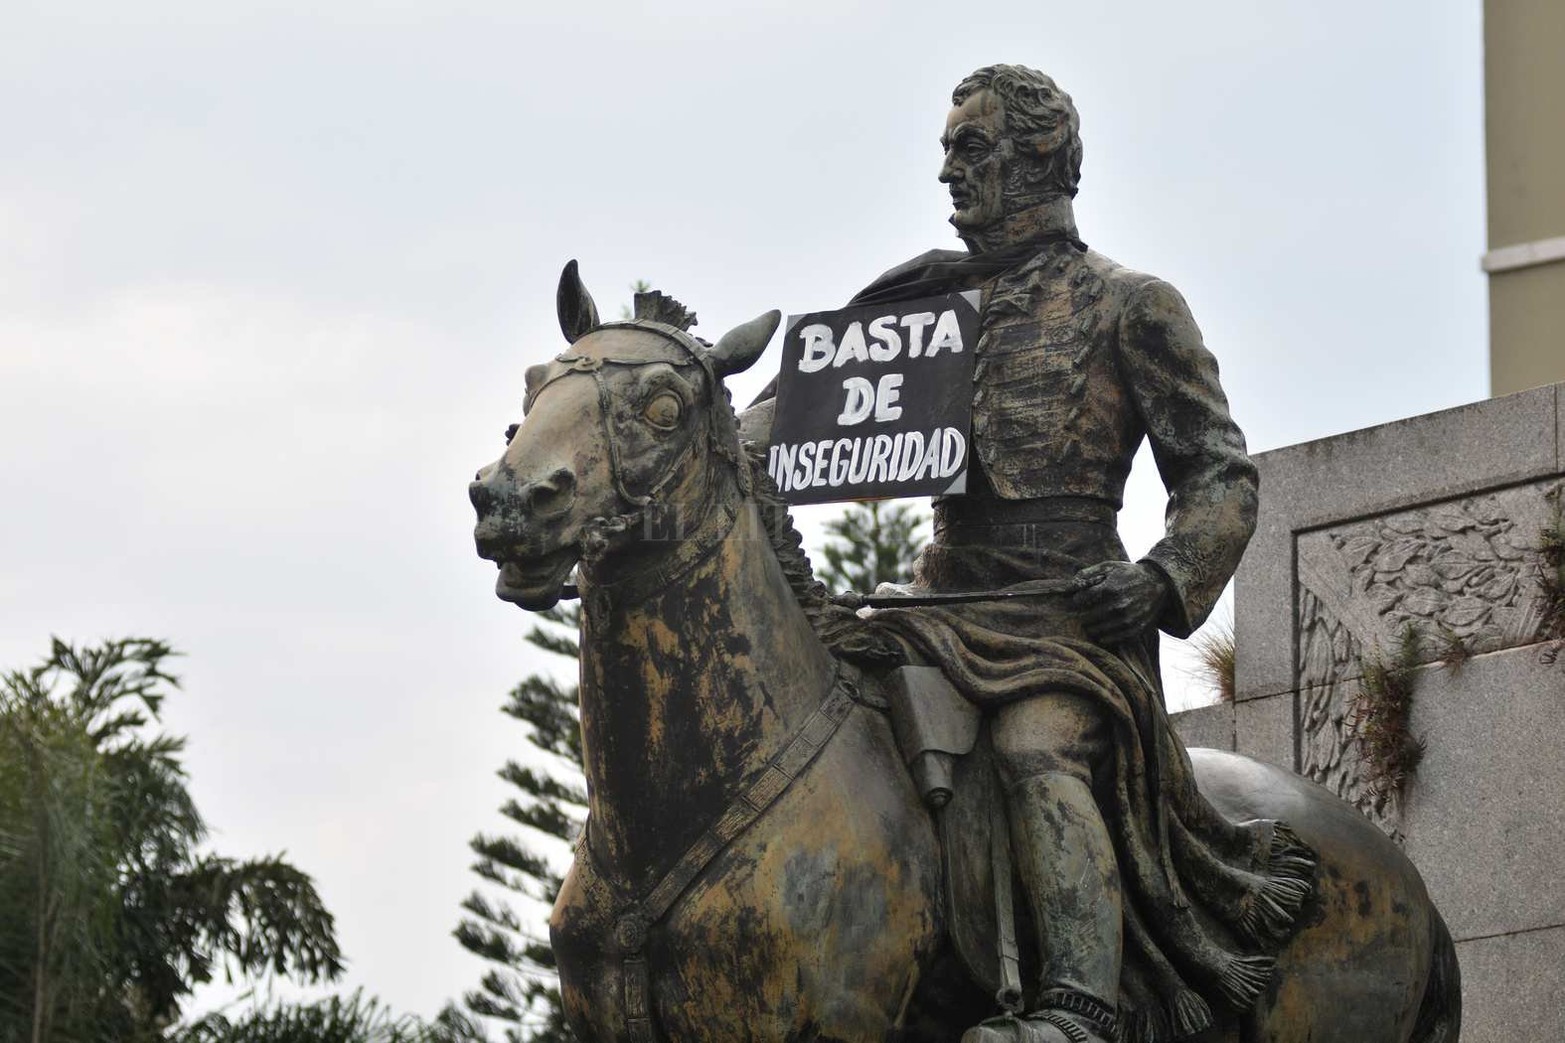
x=951 y=815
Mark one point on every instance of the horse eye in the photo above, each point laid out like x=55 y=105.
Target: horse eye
x=510 y=433
x=663 y=411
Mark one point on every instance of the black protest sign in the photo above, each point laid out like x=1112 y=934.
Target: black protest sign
x=875 y=401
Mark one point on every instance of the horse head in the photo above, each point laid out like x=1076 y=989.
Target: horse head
x=628 y=425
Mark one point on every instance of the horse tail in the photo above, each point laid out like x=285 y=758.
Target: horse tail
x=1440 y=1013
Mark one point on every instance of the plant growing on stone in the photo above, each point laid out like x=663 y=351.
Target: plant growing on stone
x=1214 y=650
x=1381 y=717
x=1551 y=583
x=1454 y=651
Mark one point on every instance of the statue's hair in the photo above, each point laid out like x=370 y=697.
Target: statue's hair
x=1035 y=114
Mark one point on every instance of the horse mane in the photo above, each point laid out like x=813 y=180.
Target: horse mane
x=827 y=619
x=838 y=626
x=830 y=621
x=786 y=541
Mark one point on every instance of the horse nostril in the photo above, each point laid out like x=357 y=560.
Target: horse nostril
x=479 y=494
x=554 y=491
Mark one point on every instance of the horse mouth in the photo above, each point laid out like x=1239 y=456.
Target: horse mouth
x=535 y=583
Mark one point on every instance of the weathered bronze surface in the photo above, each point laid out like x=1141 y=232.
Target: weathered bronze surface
x=759 y=862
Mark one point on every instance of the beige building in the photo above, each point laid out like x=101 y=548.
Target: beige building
x=1524 y=129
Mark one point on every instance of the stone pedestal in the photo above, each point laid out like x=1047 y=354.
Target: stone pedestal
x=1432 y=525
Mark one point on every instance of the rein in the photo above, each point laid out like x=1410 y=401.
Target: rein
x=854 y=599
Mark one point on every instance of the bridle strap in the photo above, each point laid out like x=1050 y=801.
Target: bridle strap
x=698 y=547
x=592 y=365
x=615 y=473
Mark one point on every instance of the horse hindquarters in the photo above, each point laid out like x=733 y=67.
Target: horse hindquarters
x=1440 y=1014
x=811 y=925
x=1365 y=957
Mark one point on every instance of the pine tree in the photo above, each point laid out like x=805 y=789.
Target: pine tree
x=521 y=989
x=870 y=544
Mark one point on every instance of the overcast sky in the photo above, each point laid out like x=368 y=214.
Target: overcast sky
x=270 y=276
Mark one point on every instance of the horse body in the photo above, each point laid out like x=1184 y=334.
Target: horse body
x=823 y=918
x=796 y=928
x=1361 y=967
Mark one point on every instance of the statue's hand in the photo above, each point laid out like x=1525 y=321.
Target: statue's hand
x=1119 y=601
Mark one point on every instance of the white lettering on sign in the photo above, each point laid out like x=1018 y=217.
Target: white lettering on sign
x=876 y=400
x=884 y=330
x=852 y=348
x=860 y=401
x=821 y=350
x=915 y=324
x=906 y=456
x=862 y=398
x=948 y=334
x=818 y=347
x=886 y=395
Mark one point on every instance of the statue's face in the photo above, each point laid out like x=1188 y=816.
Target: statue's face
x=974 y=166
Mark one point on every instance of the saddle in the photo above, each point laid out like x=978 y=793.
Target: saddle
x=944 y=740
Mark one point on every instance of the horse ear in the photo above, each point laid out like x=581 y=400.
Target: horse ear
x=577 y=312
x=737 y=350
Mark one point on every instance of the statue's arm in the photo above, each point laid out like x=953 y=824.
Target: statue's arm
x=1200 y=452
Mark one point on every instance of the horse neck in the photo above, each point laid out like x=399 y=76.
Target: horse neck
x=686 y=693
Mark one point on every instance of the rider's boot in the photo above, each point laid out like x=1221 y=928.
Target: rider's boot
x=1068 y=869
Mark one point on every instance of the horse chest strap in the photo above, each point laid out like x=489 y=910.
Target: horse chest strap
x=637 y=918
x=637 y=1000
x=740 y=815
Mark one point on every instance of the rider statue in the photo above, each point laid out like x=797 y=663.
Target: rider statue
x=1151 y=910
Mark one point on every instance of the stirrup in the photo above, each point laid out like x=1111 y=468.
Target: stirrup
x=1008 y=1028
x=1065 y=1023
x=1079 y=1017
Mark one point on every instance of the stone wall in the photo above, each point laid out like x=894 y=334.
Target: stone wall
x=1432 y=524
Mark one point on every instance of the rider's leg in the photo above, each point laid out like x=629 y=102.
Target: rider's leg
x=1047 y=749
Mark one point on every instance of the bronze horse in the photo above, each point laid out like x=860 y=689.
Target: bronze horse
x=757 y=864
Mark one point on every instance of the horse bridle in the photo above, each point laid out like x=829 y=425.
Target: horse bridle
x=592 y=365
x=639 y=505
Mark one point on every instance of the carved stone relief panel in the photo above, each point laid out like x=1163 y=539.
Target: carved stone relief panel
x=1461 y=572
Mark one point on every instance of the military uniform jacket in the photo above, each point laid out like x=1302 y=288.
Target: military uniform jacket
x=1079 y=359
